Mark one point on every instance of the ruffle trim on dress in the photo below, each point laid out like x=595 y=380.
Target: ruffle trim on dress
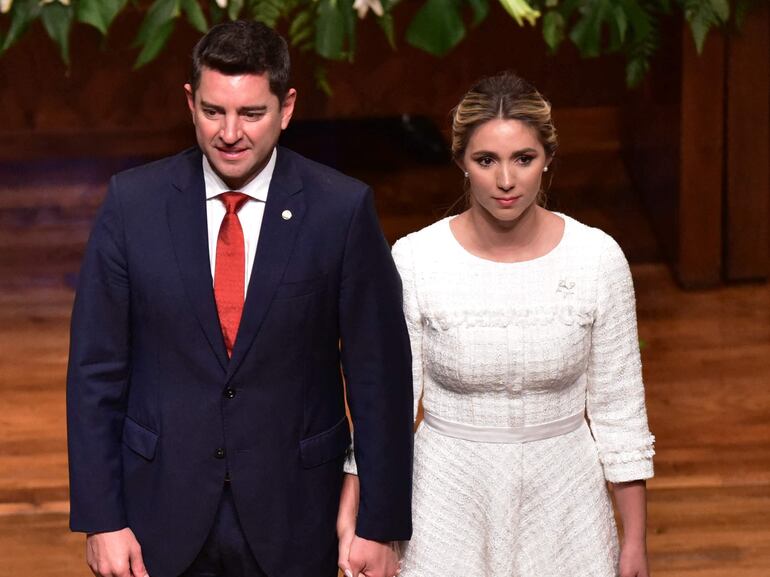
x=567 y=314
x=628 y=453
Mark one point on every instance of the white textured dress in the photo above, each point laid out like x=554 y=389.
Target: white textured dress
x=515 y=345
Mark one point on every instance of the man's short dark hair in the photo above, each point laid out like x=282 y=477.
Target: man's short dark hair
x=243 y=47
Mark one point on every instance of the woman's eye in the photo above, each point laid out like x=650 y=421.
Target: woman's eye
x=484 y=161
x=525 y=160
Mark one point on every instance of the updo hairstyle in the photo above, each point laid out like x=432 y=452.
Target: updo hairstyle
x=504 y=96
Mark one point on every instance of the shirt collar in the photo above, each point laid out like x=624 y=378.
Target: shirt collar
x=256 y=188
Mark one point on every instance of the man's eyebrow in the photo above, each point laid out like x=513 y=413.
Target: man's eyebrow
x=259 y=108
x=242 y=109
x=205 y=104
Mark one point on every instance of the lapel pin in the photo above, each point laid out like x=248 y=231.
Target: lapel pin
x=286 y=215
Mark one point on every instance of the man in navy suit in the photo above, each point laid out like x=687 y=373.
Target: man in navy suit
x=224 y=295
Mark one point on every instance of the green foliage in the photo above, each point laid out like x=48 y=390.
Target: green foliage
x=195 y=15
x=703 y=15
x=335 y=31
x=23 y=12
x=156 y=29
x=553 y=29
x=99 y=13
x=57 y=21
x=439 y=25
x=329 y=27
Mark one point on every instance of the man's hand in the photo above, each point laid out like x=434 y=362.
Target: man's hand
x=372 y=558
x=115 y=554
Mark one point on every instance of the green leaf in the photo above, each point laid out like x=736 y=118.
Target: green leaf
x=700 y=30
x=57 y=21
x=480 y=10
x=638 y=20
x=234 y=8
x=350 y=19
x=23 y=12
x=302 y=30
x=636 y=69
x=154 y=44
x=388 y=28
x=157 y=20
x=553 y=29
x=270 y=11
x=621 y=22
x=322 y=81
x=587 y=32
x=702 y=17
x=331 y=30
x=301 y=21
x=195 y=15
x=99 y=13
x=721 y=9
x=216 y=14
x=437 y=27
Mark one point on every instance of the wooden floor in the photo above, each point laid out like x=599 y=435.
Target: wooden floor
x=707 y=368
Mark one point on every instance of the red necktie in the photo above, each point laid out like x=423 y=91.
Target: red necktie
x=230 y=268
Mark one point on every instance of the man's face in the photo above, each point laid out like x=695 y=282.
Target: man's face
x=237 y=122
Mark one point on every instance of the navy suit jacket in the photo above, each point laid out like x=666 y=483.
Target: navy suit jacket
x=157 y=413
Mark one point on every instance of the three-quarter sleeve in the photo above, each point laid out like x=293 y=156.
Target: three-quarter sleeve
x=615 y=402
x=404 y=259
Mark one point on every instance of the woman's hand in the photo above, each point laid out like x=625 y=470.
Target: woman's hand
x=346 y=520
x=633 y=560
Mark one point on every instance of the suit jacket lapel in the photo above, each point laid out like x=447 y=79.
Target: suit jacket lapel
x=284 y=210
x=186 y=211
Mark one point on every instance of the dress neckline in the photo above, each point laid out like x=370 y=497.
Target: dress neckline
x=469 y=255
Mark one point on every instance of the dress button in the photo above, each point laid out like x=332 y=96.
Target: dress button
x=219 y=453
x=229 y=393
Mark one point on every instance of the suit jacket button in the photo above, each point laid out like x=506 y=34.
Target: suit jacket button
x=229 y=392
x=219 y=453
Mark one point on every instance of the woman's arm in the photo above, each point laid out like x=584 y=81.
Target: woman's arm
x=346 y=519
x=631 y=501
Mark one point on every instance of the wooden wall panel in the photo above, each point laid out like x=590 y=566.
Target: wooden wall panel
x=747 y=191
x=651 y=143
x=701 y=169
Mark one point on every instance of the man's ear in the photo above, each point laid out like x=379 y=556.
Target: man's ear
x=287 y=107
x=188 y=91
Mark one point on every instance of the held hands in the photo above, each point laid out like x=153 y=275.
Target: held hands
x=362 y=557
x=358 y=556
x=115 y=554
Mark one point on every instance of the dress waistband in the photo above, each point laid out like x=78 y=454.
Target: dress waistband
x=504 y=434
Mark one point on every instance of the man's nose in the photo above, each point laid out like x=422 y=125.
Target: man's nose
x=231 y=129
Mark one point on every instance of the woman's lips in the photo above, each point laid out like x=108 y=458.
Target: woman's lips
x=506 y=201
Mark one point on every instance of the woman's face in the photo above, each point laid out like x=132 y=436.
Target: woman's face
x=505 y=161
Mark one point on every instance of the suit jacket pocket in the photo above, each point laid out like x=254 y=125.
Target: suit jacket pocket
x=139 y=439
x=325 y=446
x=288 y=290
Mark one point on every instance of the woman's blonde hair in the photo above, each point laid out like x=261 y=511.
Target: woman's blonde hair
x=503 y=96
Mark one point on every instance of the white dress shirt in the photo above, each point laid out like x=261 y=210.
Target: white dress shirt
x=250 y=213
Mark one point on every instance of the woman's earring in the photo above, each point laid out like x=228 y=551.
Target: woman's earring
x=466 y=174
x=545 y=169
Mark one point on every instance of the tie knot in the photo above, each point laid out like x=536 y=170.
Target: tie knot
x=233 y=201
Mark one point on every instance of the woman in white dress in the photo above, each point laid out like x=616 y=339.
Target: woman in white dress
x=525 y=347
x=523 y=333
